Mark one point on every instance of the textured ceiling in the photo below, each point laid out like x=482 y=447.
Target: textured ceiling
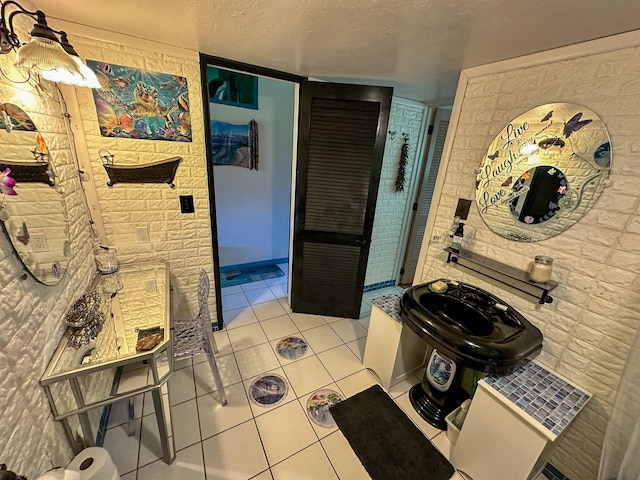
x=416 y=46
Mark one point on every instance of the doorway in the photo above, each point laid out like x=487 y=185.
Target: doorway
x=250 y=123
x=426 y=181
x=361 y=109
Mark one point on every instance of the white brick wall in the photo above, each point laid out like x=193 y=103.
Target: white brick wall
x=387 y=227
x=590 y=326
x=183 y=240
x=31 y=314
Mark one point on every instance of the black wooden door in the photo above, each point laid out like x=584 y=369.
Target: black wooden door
x=342 y=130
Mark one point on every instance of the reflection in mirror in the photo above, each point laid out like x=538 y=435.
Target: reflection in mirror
x=543 y=172
x=538 y=193
x=32 y=211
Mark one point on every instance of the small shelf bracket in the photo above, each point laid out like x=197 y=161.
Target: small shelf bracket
x=502 y=273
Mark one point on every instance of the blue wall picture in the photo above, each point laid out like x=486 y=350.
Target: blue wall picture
x=134 y=103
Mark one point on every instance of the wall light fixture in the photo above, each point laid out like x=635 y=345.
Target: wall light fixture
x=52 y=58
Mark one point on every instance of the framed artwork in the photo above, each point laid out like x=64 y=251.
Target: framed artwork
x=232 y=88
x=234 y=144
x=140 y=104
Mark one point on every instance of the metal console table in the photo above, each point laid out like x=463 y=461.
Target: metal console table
x=109 y=368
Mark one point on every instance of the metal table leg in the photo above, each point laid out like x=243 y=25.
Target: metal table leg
x=165 y=425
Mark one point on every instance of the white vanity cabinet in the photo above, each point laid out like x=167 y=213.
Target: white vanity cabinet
x=514 y=423
x=393 y=350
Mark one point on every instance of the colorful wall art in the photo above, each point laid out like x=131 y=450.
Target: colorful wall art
x=234 y=144
x=134 y=103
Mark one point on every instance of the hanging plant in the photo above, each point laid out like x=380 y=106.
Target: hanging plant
x=402 y=164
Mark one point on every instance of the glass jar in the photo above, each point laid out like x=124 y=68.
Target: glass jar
x=106 y=260
x=540 y=269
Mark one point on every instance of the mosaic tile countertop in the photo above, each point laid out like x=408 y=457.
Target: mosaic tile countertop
x=549 y=400
x=390 y=304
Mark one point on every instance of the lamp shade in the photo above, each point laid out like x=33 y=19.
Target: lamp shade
x=44 y=54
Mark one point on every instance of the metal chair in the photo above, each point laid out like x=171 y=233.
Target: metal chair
x=192 y=337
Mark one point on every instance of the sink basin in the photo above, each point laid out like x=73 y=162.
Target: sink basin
x=467 y=328
x=471 y=326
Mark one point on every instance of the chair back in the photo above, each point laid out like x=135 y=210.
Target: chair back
x=203 y=306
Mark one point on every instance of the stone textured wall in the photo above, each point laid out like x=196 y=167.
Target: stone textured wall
x=31 y=314
x=182 y=240
x=388 y=224
x=589 y=327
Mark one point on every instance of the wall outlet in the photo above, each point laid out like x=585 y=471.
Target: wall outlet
x=150 y=286
x=142 y=234
x=39 y=242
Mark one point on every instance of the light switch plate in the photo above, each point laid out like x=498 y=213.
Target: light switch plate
x=462 y=210
x=186 y=204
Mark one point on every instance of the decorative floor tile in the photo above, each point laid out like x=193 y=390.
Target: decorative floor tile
x=318 y=405
x=268 y=390
x=291 y=348
x=258 y=409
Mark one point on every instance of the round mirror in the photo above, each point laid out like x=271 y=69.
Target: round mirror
x=32 y=210
x=543 y=172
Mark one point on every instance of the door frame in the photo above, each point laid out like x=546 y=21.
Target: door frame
x=422 y=146
x=206 y=60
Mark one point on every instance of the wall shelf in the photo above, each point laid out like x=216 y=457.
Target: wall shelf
x=502 y=273
x=163 y=171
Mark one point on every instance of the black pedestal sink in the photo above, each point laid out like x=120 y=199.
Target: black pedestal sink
x=467 y=328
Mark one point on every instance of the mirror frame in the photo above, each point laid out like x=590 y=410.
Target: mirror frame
x=568 y=138
x=43 y=252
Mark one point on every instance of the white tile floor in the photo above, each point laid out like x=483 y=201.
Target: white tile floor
x=244 y=440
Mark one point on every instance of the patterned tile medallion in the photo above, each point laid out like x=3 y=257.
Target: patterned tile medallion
x=291 y=348
x=318 y=406
x=268 y=390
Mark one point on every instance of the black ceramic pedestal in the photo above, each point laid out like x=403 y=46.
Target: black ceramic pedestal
x=434 y=405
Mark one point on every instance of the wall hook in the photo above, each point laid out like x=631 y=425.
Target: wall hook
x=392 y=134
